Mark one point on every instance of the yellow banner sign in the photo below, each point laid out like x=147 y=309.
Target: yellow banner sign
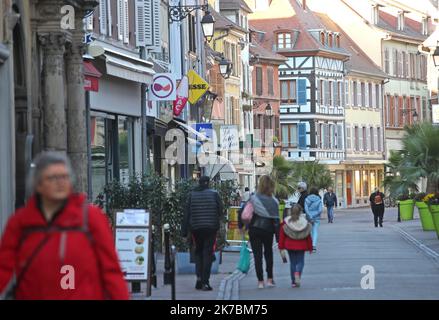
x=197 y=86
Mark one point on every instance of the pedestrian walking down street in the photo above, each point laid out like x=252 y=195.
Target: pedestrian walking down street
x=202 y=219
x=313 y=210
x=377 y=205
x=263 y=226
x=295 y=237
x=330 y=201
x=56 y=235
x=302 y=188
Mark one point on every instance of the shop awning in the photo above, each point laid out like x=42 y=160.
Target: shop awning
x=127 y=67
x=91 y=77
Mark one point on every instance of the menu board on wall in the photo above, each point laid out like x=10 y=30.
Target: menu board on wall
x=132 y=236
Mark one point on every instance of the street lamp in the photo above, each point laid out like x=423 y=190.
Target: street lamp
x=207 y=23
x=436 y=56
x=225 y=67
x=180 y=12
x=268 y=110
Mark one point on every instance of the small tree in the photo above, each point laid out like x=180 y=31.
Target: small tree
x=313 y=173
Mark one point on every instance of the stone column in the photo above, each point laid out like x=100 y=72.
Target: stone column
x=54 y=115
x=76 y=115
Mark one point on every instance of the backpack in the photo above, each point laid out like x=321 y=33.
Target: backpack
x=378 y=199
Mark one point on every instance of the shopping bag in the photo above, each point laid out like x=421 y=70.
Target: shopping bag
x=244 y=258
x=247 y=213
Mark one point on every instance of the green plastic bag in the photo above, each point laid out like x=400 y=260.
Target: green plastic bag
x=244 y=258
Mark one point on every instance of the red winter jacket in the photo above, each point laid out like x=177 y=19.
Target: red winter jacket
x=97 y=273
x=287 y=243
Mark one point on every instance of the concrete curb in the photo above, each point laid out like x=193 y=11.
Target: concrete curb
x=433 y=255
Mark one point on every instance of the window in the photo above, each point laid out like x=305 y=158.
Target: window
x=364 y=139
x=284 y=41
x=386 y=61
x=405 y=64
x=330 y=93
x=401 y=20
x=412 y=66
x=372 y=137
x=357 y=138
x=355 y=93
x=400 y=65
x=235 y=64
x=289 y=135
x=395 y=63
x=330 y=40
x=338 y=93
x=270 y=81
x=388 y=112
x=259 y=81
x=346 y=84
x=363 y=94
x=322 y=38
x=322 y=94
x=288 y=91
x=348 y=137
x=377 y=96
x=380 y=147
x=192 y=39
x=371 y=102
x=337 y=41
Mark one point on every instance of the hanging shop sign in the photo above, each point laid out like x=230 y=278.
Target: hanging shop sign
x=182 y=96
x=197 y=86
x=163 y=87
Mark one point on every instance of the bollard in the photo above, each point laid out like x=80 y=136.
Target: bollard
x=173 y=250
x=167 y=276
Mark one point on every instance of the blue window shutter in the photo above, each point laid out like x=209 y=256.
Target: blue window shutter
x=301 y=91
x=302 y=135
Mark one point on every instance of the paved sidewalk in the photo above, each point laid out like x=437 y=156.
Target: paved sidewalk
x=185 y=283
x=403 y=270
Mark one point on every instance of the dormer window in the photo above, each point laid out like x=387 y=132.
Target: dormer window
x=337 y=41
x=425 y=26
x=284 y=40
x=330 y=40
x=401 y=20
x=322 y=38
x=375 y=14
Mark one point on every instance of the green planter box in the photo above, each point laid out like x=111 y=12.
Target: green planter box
x=406 y=209
x=435 y=214
x=425 y=216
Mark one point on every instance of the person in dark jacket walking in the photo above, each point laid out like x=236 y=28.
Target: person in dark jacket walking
x=57 y=245
x=377 y=205
x=302 y=188
x=202 y=218
x=264 y=224
x=330 y=201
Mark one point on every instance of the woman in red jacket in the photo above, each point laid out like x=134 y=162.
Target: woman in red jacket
x=295 y=237
x=58 y=246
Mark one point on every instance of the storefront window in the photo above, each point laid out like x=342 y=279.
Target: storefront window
x=98 y=165
x=125 y=129
x=357 y=184
x=365 y=183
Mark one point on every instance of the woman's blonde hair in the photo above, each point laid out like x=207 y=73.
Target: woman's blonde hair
x=266 y=185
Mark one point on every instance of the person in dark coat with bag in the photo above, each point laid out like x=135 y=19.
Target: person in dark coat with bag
x=376 y=200
x=295 y=237
x=263 y=226
x=202 y=218
x=330 y=201
x=57 y=245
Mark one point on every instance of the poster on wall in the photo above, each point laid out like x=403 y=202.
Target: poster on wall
x=229 y=138
x=132 y=237
x=435 y=113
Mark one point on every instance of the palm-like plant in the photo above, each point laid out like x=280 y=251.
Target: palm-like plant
x=313 y=173
x=282 y=174
x=419 y=158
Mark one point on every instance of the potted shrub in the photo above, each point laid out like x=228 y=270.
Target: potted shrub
x=406 y=207
x=433 y=205
x=424 y=212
